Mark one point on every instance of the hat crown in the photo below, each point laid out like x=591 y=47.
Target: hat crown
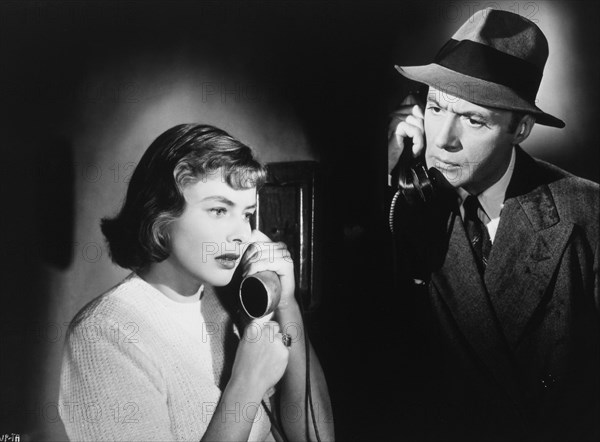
x=508 y=33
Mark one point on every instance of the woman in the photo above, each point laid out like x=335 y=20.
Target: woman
x=148 y=359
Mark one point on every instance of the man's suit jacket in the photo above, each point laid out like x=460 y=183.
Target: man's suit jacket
x=515 y=354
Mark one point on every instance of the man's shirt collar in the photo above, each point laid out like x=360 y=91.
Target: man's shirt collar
x=492 y=198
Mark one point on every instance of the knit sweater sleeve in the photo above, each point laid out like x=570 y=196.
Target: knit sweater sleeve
x=110 y=389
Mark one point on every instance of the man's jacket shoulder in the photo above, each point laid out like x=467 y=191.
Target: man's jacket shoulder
x=577 y=199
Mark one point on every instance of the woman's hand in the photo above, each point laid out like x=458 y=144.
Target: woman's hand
x=260 y=361
x=263 y=254
x=261 y=357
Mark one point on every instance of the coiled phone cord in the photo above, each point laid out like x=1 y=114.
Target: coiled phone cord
x=393 y=209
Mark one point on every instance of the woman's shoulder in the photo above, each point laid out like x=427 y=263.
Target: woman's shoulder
x=125 y=302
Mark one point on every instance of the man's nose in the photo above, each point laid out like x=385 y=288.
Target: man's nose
x=447 y=137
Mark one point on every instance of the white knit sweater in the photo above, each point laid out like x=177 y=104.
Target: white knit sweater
x=138 y=366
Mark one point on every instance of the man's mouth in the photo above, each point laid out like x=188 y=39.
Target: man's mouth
x=441 y=164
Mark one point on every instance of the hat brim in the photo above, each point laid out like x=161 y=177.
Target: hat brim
x=475 y=90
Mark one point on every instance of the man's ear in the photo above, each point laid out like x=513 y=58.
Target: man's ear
x=523 y=129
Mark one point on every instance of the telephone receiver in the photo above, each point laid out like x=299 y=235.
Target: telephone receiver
x=260 y=293
x=416 y=182
x=418 y=214
x=424 y=190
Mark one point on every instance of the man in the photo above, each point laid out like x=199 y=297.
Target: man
x=508 y=293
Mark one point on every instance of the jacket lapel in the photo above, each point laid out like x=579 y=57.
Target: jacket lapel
x=526 y=250
x=460 y=285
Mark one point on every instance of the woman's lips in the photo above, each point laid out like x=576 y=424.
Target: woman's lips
x=227 y=260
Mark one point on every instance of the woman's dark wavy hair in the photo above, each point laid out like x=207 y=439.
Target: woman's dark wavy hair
x=182 y=155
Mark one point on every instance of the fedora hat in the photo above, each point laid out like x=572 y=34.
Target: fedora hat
x=496 y=59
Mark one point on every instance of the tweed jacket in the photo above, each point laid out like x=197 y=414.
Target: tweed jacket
x=514 y=354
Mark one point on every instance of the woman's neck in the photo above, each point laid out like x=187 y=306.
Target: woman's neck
x=173 y=284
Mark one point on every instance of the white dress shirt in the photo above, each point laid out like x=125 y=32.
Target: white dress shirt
x=491 y=199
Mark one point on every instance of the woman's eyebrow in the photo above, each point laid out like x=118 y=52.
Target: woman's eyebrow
x=218 y=198
x=223 y=200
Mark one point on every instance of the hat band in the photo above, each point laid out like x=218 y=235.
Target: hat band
x=486 y=63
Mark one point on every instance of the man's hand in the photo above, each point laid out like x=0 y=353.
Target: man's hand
x=407 y=121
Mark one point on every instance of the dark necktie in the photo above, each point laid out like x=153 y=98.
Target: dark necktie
x=477 y=232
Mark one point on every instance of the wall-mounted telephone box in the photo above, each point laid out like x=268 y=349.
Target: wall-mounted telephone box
x=288 y=211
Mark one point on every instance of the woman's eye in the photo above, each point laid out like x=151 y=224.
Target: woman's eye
x=218 y=211
x=248 y=216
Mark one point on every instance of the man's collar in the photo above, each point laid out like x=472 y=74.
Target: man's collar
x=492 y=199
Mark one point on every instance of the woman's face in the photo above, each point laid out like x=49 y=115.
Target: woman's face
x=208 y=239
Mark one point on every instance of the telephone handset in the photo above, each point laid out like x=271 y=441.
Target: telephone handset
x=418 y=185
x=412 y=176
x=416 y=182
x=259 y=295
x=418 y=213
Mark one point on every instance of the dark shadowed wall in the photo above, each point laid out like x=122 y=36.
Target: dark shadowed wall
x=86 y=86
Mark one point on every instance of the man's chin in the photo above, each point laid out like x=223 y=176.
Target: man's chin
x=454 y=176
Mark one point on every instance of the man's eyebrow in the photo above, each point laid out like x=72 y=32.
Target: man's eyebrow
x=223 y=200
x=467 y=113
x=473 y=114
x=433 y=100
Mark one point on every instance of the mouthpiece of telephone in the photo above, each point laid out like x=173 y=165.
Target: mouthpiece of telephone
x=417 y=185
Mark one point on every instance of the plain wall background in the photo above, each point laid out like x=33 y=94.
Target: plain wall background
x=86 y=86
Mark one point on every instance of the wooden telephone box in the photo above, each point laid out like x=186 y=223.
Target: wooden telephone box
x=286 y=212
